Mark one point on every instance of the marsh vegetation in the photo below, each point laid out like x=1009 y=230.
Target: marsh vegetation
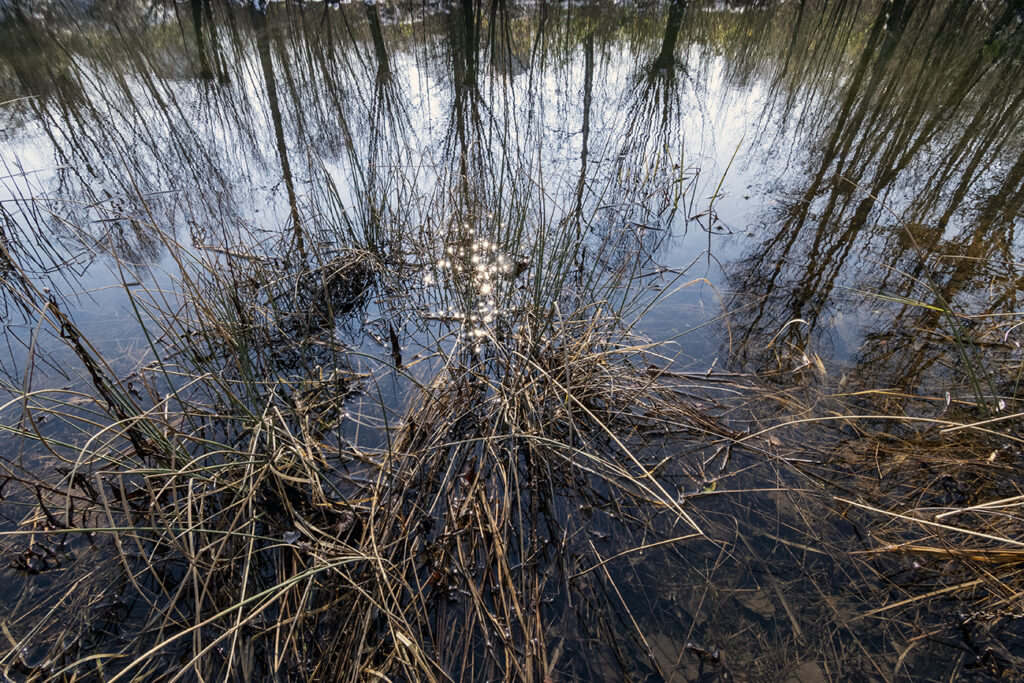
x=499 y=341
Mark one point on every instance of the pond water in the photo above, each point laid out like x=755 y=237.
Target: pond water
x=802 y=194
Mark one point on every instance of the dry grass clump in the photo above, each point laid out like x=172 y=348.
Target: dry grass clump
x=212 y=519
x=212 y=541
x=478 y=497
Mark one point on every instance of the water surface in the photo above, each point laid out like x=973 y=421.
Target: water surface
x=825 y=178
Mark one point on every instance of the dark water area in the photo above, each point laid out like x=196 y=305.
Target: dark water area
x=819 y=200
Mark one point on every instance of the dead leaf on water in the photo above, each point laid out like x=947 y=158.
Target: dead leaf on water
x=757 y=601
x=808 y=672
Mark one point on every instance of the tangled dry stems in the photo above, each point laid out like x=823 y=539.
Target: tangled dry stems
x=233 y=534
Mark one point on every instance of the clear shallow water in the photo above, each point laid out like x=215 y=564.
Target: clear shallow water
x=805 y=163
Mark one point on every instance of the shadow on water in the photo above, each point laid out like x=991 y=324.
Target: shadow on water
x=488 y=341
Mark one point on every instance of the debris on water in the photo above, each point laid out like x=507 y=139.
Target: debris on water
x=706 y=655
x=133 y=390
x=396 y=350
x=36 y=559
x=808 y=672
x=28 y=562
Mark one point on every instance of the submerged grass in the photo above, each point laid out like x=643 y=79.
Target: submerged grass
x=930 y=497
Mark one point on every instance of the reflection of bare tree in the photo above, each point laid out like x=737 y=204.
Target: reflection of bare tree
x=382 y=161
x=643 y=186
x=270 y=83
x=891 y=114
x=466 y=141
x=139 y=143
x=481 y=158
x=205 y=70
x=588 y=101
x=666 y=59
x=505 y=56
x=379 y=48
x=874 y=101
x=118 y=135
